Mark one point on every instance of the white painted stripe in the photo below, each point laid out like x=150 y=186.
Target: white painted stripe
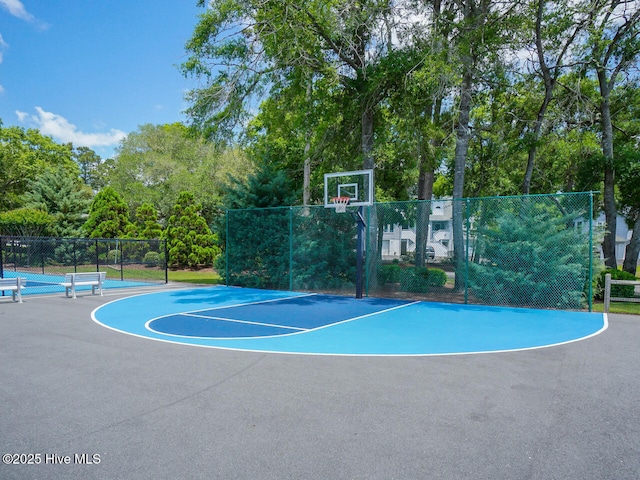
x=257 y=302
x=217 y=347
x=225 y=319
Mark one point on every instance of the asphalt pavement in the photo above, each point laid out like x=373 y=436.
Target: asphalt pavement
x=79 y=401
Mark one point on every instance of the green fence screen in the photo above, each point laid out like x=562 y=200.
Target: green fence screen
x=528 y=251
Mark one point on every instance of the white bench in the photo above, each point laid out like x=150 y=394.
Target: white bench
x=73 y=280
x=15 y=285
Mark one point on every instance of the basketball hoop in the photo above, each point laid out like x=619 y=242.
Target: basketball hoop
x=341 y=203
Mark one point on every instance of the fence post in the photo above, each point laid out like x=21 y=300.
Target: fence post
x=122 y=243
x=607 y=292
x=166 y=262
x=590 y=251
x=41 y=243
x=226 y=249
x=2 y=261
x=75 y=257
x=290 y=249
x=466 y=264
x=369 y=259
x=97 y=256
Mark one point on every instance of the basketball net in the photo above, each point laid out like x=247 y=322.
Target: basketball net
x=341 y=203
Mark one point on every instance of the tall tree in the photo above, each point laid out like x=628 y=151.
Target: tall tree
x=158 y=162
x=189 y=239
x=630 y=198
x=481 y=47
x=626 y=104
x=108 y=215
x=24 y=154
x=557 y=26
x=89 y=163
x=146 y=224
x=611 y=50
x=62 y=196
x=244 y=48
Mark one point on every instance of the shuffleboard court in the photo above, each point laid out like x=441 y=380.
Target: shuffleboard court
x=302 y=323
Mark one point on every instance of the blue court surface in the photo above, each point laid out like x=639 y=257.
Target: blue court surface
x=302 y=323
x=38 y=283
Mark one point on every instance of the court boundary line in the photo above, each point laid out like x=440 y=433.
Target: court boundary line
x=604 y=327
x=365 y=355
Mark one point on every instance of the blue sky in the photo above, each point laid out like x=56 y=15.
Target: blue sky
x=90 y=72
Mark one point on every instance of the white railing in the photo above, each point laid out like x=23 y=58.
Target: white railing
x=607 y=291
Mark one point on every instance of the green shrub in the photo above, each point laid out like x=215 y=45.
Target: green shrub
x=530 y=255
x=153 y=258
x=389 y=274
x=437 y=277
x=625 y=291
x=113 y=256
x=421 y=279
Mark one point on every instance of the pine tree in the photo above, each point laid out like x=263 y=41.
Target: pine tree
x=108 y=215
x=62 y=196
x=190 y=240
x=146 y=225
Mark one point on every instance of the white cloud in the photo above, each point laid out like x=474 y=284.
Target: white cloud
x=16 y=8
x=3 y=46
x=62 y=130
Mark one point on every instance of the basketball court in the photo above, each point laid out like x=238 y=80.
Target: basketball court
x=304 y=323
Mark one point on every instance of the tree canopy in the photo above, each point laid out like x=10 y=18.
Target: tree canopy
x=461 y=98
x=24 y=154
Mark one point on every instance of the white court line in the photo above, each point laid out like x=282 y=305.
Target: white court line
x=225 y=319
x=330 y=354
x=257 y=302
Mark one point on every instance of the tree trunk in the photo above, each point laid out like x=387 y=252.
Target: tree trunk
x=533 y=147
x=610 y=211
x=460 y=157
x=367 y=138
x=633 y=249
x=306 y=182
x=425 y=192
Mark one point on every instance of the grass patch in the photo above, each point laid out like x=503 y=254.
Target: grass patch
x=625 y=308
x=206 y=277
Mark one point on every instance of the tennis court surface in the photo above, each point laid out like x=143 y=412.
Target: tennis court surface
x=40 y=283
x=288 y=322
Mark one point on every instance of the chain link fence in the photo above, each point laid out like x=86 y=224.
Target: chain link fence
x=44 y=260
x=528 y=251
